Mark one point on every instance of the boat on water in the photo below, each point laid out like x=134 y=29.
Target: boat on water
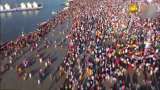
x=22 y=7
x=66 y=3
x=53 y=12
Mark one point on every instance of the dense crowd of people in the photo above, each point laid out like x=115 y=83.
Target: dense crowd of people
x=110 y=48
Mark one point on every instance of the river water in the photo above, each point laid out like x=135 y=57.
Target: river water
x=12 y=24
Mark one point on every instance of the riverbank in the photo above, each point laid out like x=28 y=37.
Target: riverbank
x=55 y=37
x=13 y=24
x=42 y=30
x=52 y=44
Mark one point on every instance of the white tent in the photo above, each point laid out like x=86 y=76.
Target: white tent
x=7 y=6
x=34 y=5
x=23 y=6
x=29 y=5
x=1 y=8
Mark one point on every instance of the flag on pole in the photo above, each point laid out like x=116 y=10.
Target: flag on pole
x=133 y=8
